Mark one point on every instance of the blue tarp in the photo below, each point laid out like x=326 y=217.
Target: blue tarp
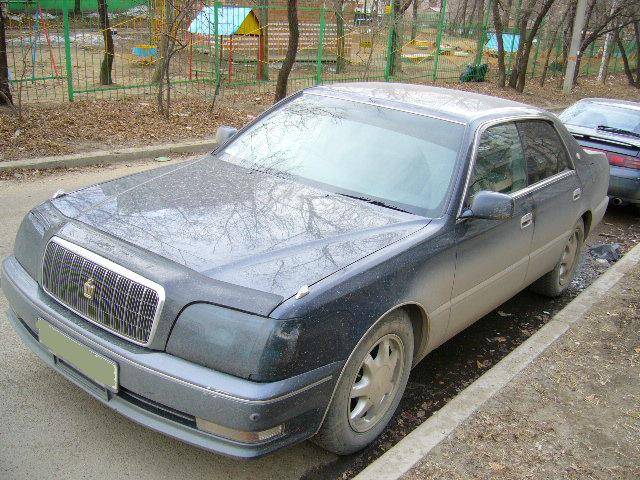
x=510 y=42
x=229 y=20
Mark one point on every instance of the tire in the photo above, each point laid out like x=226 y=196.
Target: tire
x=346 y=429
x=554 y=283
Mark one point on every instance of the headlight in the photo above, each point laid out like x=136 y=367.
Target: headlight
x=233 y=342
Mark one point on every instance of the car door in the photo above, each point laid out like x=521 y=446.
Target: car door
x=492 y=255
x=555 y=192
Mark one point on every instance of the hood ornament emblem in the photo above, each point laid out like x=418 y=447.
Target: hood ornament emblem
x=303 y=292
x=89 y=288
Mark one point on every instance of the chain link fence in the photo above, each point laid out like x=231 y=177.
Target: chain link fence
x=56 y=49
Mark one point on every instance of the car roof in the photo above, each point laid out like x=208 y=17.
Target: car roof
x=446 y=103
x=614 y=102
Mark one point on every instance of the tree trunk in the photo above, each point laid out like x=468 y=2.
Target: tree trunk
x=396 y=38
x=625 y=60
x=164 y=42
x=497 y=23
x=264 y=45
x=519 y=74
x=77 y=10
x=552 y=44
x=340 y=41
x=107 y=61
x=606 y=55
x=292 y=50
x=518 y=64
x=5 y=91
x=414 y=22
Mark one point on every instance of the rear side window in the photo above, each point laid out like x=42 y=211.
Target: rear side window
x=499 y=165
x=543 y=149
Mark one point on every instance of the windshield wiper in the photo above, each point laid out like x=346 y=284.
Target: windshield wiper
x=619 y=131
x=373 y=202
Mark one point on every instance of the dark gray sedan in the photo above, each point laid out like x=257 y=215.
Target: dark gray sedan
x=283 y=286
x=613 y=128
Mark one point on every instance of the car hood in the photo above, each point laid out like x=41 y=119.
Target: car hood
x=237 y=225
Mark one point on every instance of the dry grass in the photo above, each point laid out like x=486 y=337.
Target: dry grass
x=64 y=128
x=574 y=413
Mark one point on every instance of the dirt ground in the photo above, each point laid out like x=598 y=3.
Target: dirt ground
x=84 y=125
x=574 y=413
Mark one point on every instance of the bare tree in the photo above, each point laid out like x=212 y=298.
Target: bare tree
x=497 y=23
x=533 y=13
x=172 y=41
x=414 y=20
x=292 y=50
x=397 y=34
x=551 y=44
x=634 y=80
x=600 y=21
x=5 y=90
x=606 y=50
x=106 y=66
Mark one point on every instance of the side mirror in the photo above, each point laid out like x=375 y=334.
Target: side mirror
x=490 y=206
x=224 y=133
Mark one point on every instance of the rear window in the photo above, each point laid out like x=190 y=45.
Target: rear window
x=593 y=115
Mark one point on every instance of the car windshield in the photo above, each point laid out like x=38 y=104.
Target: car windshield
x=594 y=115
x=389 y=157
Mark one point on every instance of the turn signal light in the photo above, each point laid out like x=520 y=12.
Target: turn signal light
x=239 y=435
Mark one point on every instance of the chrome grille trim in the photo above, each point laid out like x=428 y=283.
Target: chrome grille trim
x=126 y=301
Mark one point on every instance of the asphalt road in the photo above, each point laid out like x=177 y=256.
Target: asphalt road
x=49 y=428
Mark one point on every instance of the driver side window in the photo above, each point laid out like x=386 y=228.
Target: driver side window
x=500 y=164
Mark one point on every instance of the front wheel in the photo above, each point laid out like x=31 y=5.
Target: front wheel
x=370 y=387
x=554 y=283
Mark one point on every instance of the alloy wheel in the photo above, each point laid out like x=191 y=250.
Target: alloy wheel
x=376 y=383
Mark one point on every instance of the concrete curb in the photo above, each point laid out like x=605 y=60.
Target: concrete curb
x=411 y=449
x=109 y=156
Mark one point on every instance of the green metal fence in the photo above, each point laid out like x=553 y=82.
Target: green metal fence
x=55 y=53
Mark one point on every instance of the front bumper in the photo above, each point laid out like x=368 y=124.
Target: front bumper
x=167 y=393
x=624 y=183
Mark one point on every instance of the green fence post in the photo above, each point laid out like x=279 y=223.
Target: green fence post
x=217 y=52
x=390 y=52
x=537 y=52
x=67 y=52
x=320 y=46
x=483 y=35
x=436 y=59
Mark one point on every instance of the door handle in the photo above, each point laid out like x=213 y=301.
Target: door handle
x=576 y=194
x=526 y=220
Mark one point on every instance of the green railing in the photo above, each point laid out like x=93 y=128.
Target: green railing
x=55 y=53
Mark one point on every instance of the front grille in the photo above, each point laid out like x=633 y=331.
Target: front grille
x=102 y=292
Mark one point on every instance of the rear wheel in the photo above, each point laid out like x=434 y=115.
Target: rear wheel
x=554 y=283
x=370 y=388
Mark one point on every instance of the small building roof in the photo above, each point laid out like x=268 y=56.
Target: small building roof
x=231 y=21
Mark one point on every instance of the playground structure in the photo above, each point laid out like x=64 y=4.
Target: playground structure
x=55 y=55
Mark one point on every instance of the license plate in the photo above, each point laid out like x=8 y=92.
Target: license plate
x=97 y=368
